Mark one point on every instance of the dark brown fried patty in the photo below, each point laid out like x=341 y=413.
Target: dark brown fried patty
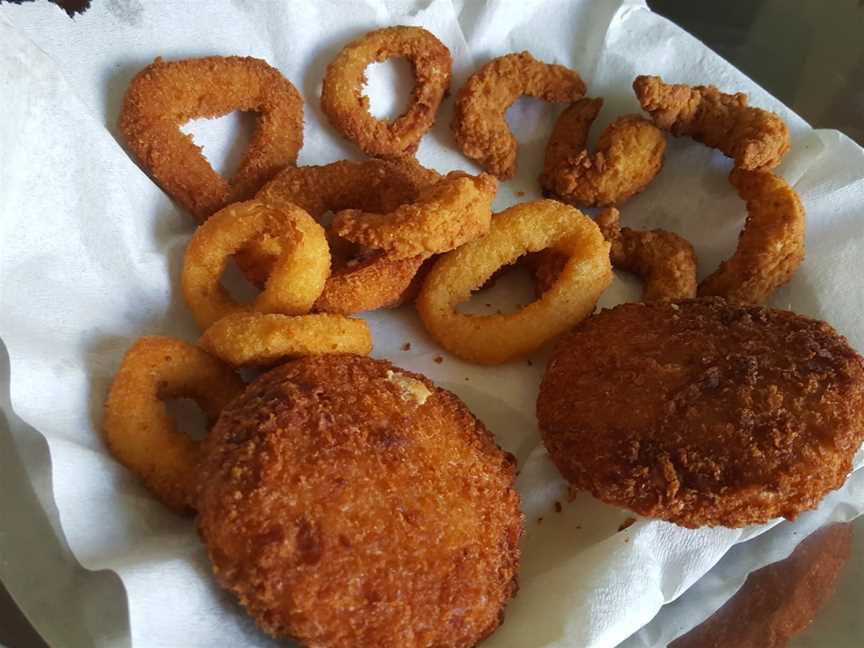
x=703 y=413
x=347 y=502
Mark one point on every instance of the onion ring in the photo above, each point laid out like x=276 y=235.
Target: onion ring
x=628 y=156
x=479 y=123
x=165 y=95
x=297 y=278
x=266 y=339
x=771 y=245
x=526 y=227
x=665 y=261
x=347 y=108
x=138 y=429
x=754 y=138
x=445 y=215
x=360 y=280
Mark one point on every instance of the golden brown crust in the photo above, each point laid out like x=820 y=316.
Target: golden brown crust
x=665 y=261
x=479 y=123
x=367 y=283
x=703 y=413
x=268 y=339
x=778 y=601
x=138 y=430
x=167 y=94
x=347 y=108
x=361 y=279
x=628 y=155
x=347 y=502
x=518 y=230
x=771 y=245
x=754 y=138
x=453 y=211
x=297 y=278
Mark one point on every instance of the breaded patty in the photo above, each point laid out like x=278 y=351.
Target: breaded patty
x=347 y=502
x=703 y=413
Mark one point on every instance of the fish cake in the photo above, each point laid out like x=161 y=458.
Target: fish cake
x=346 y=502
x=703 y=413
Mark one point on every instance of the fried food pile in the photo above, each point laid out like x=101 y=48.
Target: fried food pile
x=346 y=502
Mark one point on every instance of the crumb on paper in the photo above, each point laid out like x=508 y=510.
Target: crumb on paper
x=406 y=346
x=467 y=379
x=558 y=507
x=438 y=359
x=411 y=388
x=488 y=305
x=626 y=523
x=520 y=193
x=539 y=520
x=530 y=364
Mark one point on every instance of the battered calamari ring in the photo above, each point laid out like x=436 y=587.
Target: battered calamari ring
x=526 y=227
x=347 y=108
x=297 y=278
x=754 y=138
x=479 y=123
x=165 y=95
x=628 y=156
x=138 y=429
x=360 y=280
x=445 y=215
x=665 y=261
x=771 y=245
x=266 y=339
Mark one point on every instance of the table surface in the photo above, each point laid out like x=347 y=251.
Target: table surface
x=813 y=60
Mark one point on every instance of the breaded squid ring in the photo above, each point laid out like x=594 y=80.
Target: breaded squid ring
x=754 y=138
x=166 y=95
x=628 y=156
x=771 y=245
x=297 y=278
x=266 y=339
x=139 y=431
x=445 y=215
x=365 y=283
x=523 y=228
x=479 y=123
x=358 y=282
x=347 y=108
x=665 y=261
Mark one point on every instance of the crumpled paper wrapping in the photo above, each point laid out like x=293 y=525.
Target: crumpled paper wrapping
x=91 y=250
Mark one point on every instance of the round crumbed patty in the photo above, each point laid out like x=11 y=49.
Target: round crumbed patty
x=703 y=413
x=347 y=502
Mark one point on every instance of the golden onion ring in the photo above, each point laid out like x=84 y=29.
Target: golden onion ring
x=521 y=229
